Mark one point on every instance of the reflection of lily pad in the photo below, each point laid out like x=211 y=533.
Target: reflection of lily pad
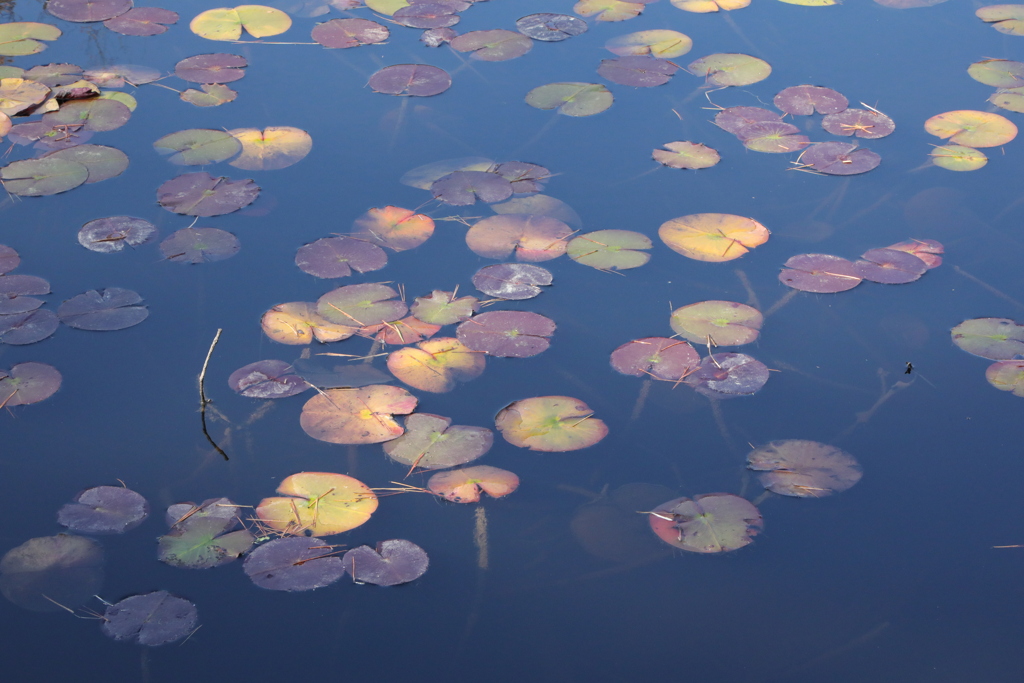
x=531 y=238
x=507 y=334
x=104 y=510
x=710 y=523
x=353 y=416
x=658 y=357
x=713 y=236
x=821 y=273
x=151 y=619
x=320 y=503
x=1007 y=375
x=333 y=257
x=394 y=562
x=550 y=423
x=436 y=365
x=805 y=469
x=516 y=281
x=464 y=485
x=199 y=245
x=200 y=194
x=571 y=99
x=64 y=568
x=726 y=375
x=992 y=338
x=610 y=528
x=431 y=442
x=727 y=323
x=610 y=249
x=267 y=379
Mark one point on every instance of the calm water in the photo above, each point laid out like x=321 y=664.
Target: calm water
x=893 y=580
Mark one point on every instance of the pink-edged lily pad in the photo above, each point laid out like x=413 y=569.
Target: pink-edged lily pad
x=531 y=238
x=1007 y=375
x=464 y=485
x=507 y=334
x=889 y=266
x=355 y=416
x=267 y=379
x=709 y=523
x=804 y=469
x=927 y=250
x=658 y=357
x=495 y=45
x=550 y=423
x=437 y=365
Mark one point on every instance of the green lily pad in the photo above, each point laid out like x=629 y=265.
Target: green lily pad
x=442 y=308
x=550 y=423
x=730 y=69
x=361 y=305
x=610 y=249
x=725 y=323
x=1008 y=19
x=431 y=442
x=102 y=162
x=709 y=523
x=999 y=73
x=958 y=157
x=19 y=94
x=992 y=338
x=1007 y=375
x=19 y=38
x=198 y=146
x=571 y=99
x=204 y=537
x=40 y=177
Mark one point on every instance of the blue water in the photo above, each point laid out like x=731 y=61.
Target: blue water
x=893 y=580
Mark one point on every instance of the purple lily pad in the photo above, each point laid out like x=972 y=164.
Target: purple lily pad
x=804 y=100
x=775 y=137
x=103 y=310
x=20 y=285
x=507 y=334
x=66 y=569
x=525 y=178
x=27 y=383
x=19 y=329
x=142 y=21
x=218 y=67
x=9 y=259
x=267 y=379
x=804 y=469
x=393 y=562
x=332 y=257
x=515 y=281
x=111 y=234
x=726 y=375
x=200 y=194
x=87 y=10
x=436 y=37
x=839 y=158
x=95 y=115
x=710 y=523
x=863 y=123
x=199 y=245
x=496 y=45
x=429 y=14
x=293 y=564
x=151 y=619
x=820 y=273
x=102 y=162
x=658 y=357
x=344 y=33
x=640 y=71
x=463 y=188
x=416 y=80
x=54 y=75
x=361 y=305
x=735 y=119
x=104 y=510
x=12 y=304
x=889 y=266
x=550 y=27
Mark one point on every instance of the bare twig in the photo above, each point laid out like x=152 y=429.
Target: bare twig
x=203 y=401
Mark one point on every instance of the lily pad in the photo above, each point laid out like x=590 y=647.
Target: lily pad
x=414 y=80
x=394 y=562
x=640 y=72
x=422 y=177
x=345 y=33
x=658 y=357
x=27 y=328
x=64 y=568
x=104 y=510
x=267 y=379
x=838 y=158
x=431 y=442
x=200 y=194
x=320 y=503
x=151 y=619
x=96 y=115
x=436 y=365
x=927 y=250
x=199 y=245
x=686 y=155
x=660 y=43
x=864 y=123
x=87 y=10
x=713 y=236
x=550 y=423
x=217 y=67
x=496 y=45
x=705 y=6
x=958 y=158
x=463 y=188
x=354 y=416
x=531 y=238
x=540 y=205
x=333 y=257
x=709 y=523
x=100 y=161
x=203 y=541
x=804 y=100
x=20 y=38
x=608 y=10
x=211 y=95
x=992 y=338
x=299 y=323
x=726 y=375
x=507 y=334
x=198 y=146
x=821 y=273
x=42 y=177
x=889 y=266
x=340 y=376
x=1007 y=375
x=442 y=308
x=516 y=281
x=972 y=128
x=394 y=227
x=142 y=21
x=272 y=148
x=118 y=75
x=610 y=249
x=774 y=137
x=429 y=14
x=525 y=178
x=736 y=119
x=9 y=259
x=464 y=485
x=293 y=564
x=408 y=330
x=726 y=323
x=804 y=469
x=550 y=27
x=361 y=305
x=999 y=73
x=436 y=37
x=103 y=310
x=1008 y=19
x=19 y=94
x=571 y=98
x=730 y=69
x=225 y=23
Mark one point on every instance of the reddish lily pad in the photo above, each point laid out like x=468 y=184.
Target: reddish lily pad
x=532 y=238
x=27 y=383
x=19 y=94
x=394 y=227
x=610 y=249
x=142 y=21
x=45 y=571
x=775 y=137
x=1007 y=375
x=525 y=177
x=293 y=564
x=320 y=503
x=804 y=100
x=736 y=119
x=361 y=305
x=267 y=379
x=211 y=95
x=408 y=330
x=436 y=365
x=658 y=357
x=726 y=375
x=889 y=266
x=436 y=37
x=299 y=323
x=27 y=328
x=199 y=245
x=345 y=33
x=992 y=338
x=217 y=67
x=550 y=423
x=414 y=80
x=104 y=510
x=927 y=250
x=464 y=485
x=864 y=123
x=496 y=45
x=507 y=334
x=958 y=158
x=354 y=416
x=838 y=158
x=640 y=71
x=821 y=273
x=431 y=442
x=87 y=10
x=463 y=188
x=103 y=310
x=442 y=308
x=709 y=523
x=394 y=562
x=725 y=323
x=151 y=619
x=804 y=469
x=200 y=194
x=430 y=14
x=550 y=27
x=333 y=257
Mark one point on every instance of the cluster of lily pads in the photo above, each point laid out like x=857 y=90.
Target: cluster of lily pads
x=896 y=264
x=998 y=339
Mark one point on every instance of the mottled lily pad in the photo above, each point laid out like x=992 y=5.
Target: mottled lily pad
x=361 y=305
x=431 y=442
x=709 y=523
x=267 y=379
x=320 y=503
x=293 y=564
x=394 y=227
x=464 y=485
x=889 y=266
x=496 y=45
x=804 y=100
x=394 y=562
x=345 y=33
x=999 y=73
x=516 y=281
x=992 y=338
x=354 y=416
x=660 y=43
x=610 y=249
x=571 y=98
x=725 y=375
x=211 y=95
x=270 y=149
x=442 y=308
x=507 y=334
x=725 y=323
x=333 y=257
x=821 y=273
x=804 y=469
x=551 y=27
x=104 y=510
x=198 y=540
x=608 y=10
x=415 y=80
x=531 y=238
x=107 y=309
x=200 y=194
x=299 y=323
x=87 y=10
x=658 y=357
x=18 y=94
x=730 y=69
x=436 y=365
x=199 y=245
x=550 y=423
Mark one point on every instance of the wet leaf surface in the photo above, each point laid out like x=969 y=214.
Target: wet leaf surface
x=465 y=484
x=608 y=10
x=267 y=379
x=927 y=250
x=550 y=423
x=709 y=523
x=64 y=568
x=515 y=281
x=507 y=334
x=18 y=94
x=658 y=357
x=736 y=119
x=804 y=469
x=104 y=510
x=353 y=416
x=431 y=442
x=199 y=245
x=318 y=503
x=95 y=115
x=774 y=137
x=211 y=95
x=691 y=155
x=999 y=73
x=394 y=562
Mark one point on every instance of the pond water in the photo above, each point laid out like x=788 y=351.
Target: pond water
x=896 y=579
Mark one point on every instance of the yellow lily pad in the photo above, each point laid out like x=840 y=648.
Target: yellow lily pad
x=272 y=148
x=550 y=423
x=972 y=128
x=713 y=236
x=226 y=23
x=322 y=503
x=436 y=365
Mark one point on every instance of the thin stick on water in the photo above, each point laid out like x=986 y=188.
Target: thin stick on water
x=203 y=401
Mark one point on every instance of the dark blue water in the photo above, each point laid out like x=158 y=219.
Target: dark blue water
x=893 y=580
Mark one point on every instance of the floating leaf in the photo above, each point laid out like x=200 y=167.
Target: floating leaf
x=100 y=161
x=540 y=205
x=15 y=291
x=926 y=250
x=361 y=305
x=774 y=137
x=660 y=43
x=532 y=238
x=200 y=194
x=393 y=562
x=821 y=273
x=272 y=148
x=89 y=115
x=496 y=45
x=550 y=423
x=436 y=37
x=551 y=27
x=710 y=523
x=18 y=94
x=610 y=249
x=87 y=10
x=726 y=375
x=999 y=73
x=142 y=21
x=354 y=416
x=726 y=323
x=422 y=177
x=463 y=188
x=431 y=442
x=442 y=308
x=211 y=95
x=608 y=10
x=464 y=485
x=41 y=177
x=430 y=14
x=293 y=564
x=417 y=80
x=394 y=227
x=958 y=158
x=804 y=100
x=972 y=128
x=203 y=542
x=730 y=69
x=116 y=76
x=27 y=328
x=572 y=98
x=1008 y=19
x=507 y=334
x=686 y=155
x=736 y=119
x=385 y=7
x=408 y=330
x=151 y=619
x=805 y=469
x=816 y=3
x=104 y=510
x=19 y=38
x=713 y=236
x=436 y=365
x=104 y=310
x=658 y=357
x=49 y=573
x=267 y=379
x=344 y=33
x=299 y=323
x=889 y=266
x=218 y=67
x=838 y=158
x=198 y=146
x=199 y=245
x=332 y=257
x=9 y=259
x=992 y=338
x=1007 y=375
x=525 y=178
x=704 y=6
x=908 y=4
x=516 y=281
x=320 y=503
x=226 y=23
x=864 y=123
x=640 y=72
